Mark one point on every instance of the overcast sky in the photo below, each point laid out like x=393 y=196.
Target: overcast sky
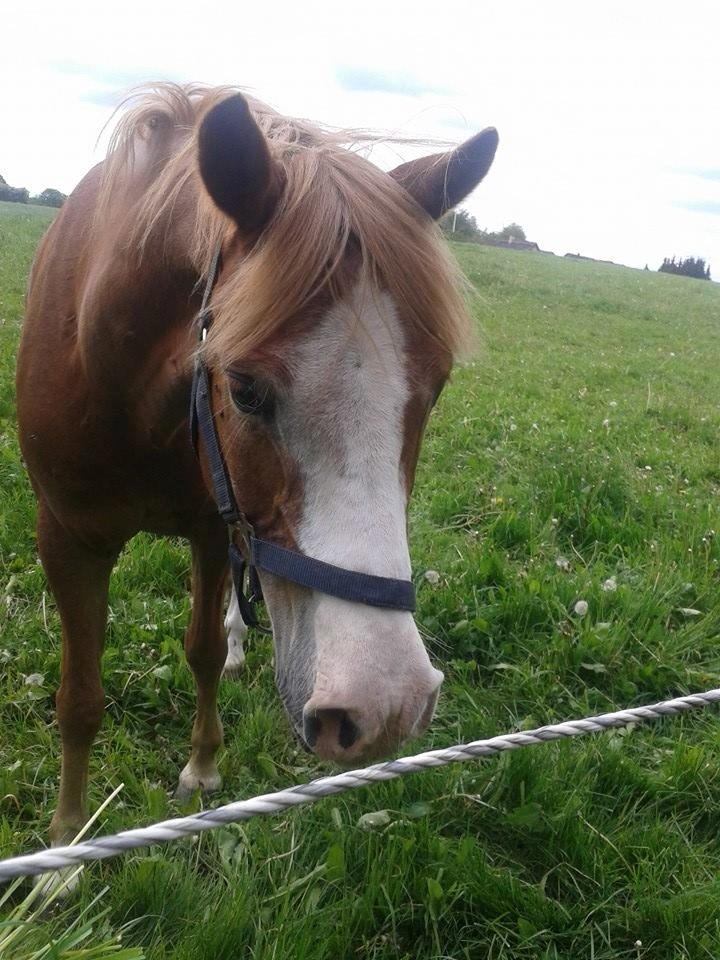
x=607 y=111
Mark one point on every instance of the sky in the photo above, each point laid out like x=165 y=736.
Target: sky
x=607 y=112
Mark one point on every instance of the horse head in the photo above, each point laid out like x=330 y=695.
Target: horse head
x=337 y=317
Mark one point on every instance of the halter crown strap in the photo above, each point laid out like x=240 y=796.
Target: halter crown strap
x=262 y=554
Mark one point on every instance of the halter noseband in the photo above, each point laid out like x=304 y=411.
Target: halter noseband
x=262 y=554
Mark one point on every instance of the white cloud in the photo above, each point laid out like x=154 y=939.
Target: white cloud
x=606 y=112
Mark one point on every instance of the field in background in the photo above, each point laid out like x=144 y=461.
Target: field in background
x=577 y=457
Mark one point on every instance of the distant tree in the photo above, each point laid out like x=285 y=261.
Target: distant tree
x=513 y=231
x=50 y=198
x=13 y=194
x=2 y=179
x=460 y=225
x=689 y=267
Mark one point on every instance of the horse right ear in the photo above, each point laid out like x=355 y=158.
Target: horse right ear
x=236 y=166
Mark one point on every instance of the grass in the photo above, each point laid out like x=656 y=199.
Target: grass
x=578 y=453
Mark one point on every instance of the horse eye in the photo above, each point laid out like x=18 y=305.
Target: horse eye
x=249 y=395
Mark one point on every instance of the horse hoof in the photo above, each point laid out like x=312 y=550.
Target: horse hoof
x=190 y=781
x=55 y=887
x=235 y=660
x=233 y=670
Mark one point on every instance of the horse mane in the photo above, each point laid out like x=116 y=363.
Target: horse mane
x=332 y=196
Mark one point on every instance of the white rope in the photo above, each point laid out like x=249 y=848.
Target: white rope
x=58 y=858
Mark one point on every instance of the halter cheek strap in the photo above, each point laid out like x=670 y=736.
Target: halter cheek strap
x=261 y=554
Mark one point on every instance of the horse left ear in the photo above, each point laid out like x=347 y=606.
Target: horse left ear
x=235 y=164
x=441 y=181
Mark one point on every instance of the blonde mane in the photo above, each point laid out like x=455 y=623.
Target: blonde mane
x=332 y=196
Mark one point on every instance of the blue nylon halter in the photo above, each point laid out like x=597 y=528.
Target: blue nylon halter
x=262 y=554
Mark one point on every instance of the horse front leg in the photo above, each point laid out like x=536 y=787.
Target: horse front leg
x=236 y=636
x=78 y=577
x=206 y=652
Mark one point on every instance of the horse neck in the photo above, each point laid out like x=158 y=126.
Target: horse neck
x=138 y=301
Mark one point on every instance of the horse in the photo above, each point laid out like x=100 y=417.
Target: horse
x=337 y=316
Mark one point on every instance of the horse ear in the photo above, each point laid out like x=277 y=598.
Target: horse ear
x=235 y=164
x=441 y=181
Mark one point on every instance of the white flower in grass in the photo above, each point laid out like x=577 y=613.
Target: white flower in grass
x=610 y=585
x=34 y=680
x=581 y=608
x=432 y=577
x=562 y=563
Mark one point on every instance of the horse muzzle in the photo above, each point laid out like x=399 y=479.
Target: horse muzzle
x=365 y=722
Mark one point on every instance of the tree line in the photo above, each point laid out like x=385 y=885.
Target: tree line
x=50 y=197
x=460 y=225
x=456 y=225
x=689 y=267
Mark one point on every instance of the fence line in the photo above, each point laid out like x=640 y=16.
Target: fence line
x=100 y=848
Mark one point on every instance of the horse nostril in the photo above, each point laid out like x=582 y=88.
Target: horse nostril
x=330 y=725
x=311 y=728
x=348 y=732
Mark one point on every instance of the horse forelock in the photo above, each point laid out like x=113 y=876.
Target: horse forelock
x=333 y=199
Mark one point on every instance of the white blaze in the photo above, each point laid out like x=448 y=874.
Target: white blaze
x=346 y=433
x=344 y=426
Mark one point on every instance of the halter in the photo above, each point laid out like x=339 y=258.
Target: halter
x=261 y=554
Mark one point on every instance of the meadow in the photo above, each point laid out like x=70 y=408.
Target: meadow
x=575 y=457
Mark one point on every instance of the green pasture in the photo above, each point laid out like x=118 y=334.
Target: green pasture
x=575 y=457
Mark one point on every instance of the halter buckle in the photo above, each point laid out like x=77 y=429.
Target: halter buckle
x=244 y=529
